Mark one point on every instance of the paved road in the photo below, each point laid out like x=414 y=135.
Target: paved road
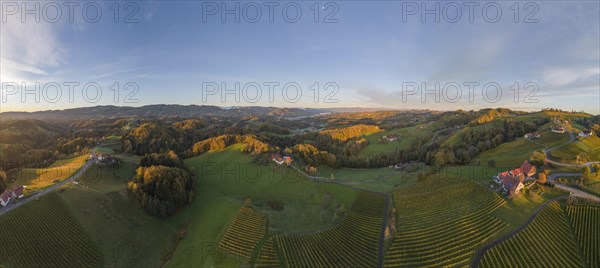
x=574 y=191
x=479 y=255
x=12 y=205
x=548 y=150
x=385 y=209
x=552 y=177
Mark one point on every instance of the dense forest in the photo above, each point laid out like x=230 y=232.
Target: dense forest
x=162 y=190
x=249 y=144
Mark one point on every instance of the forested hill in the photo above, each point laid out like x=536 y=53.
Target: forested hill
x=98 y=112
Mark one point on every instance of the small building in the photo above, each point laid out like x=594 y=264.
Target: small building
x=17 y=191
x=558 y=129
x=5 y=197
x=510 y=184
x=534 y=135
x=528 y=169
x=277 y=159
x=390 y=138
x=105 y=159
x=281 y=160
x=586 y=133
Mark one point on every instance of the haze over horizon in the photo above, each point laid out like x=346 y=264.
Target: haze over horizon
x=354 y=108
x=189 y=54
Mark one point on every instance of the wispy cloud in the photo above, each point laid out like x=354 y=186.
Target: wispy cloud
x=29 y=49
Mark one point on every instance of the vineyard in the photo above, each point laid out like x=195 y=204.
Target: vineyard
x=44 y=234
x=586 y=224
x=443 y=226
x=244 y=233
x=352 y=243
x=546 y=242
x=268 y=256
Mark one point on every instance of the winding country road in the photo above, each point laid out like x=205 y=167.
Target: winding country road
x=574 y=191
x=385 y=209
x=12 y=205
x=479 y=255
x=552 y=177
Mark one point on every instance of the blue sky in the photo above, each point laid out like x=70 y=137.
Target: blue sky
x=372 y=54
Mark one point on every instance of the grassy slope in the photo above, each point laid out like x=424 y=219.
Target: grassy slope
x=457 y=136
x=221 y=190
x=407 y=137
x=37 y=178
x=376 y=179
x=588 y=149
x=125 y=233
x=510 y=154
x=107 y=179
x=111 y=145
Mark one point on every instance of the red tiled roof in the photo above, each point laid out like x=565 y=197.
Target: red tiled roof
x=516 y=171
x=18 y=190
x=527 y=168
x=508 y=181
x=5 y=196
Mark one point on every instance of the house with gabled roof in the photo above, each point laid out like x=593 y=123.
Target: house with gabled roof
x=5 y=197
x=558 y=129
x=510 y=184
x=280 y=160
x=17 y=191
x=586 y=133
x=512 y=180
x=528 y=169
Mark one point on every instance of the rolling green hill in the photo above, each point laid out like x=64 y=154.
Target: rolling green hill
x=407 y=137
x=224 y=179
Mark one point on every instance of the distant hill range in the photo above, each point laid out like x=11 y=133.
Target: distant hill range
x=162 y=110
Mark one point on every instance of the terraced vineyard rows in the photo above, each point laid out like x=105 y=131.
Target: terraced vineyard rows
x=267 y=257
x=352 y=243
x=547 y=242
x=244 y=233
x=43 y=233
x=442 y=227
x=586 y=225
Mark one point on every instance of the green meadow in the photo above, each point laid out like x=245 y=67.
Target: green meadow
x=407 y=137
x=224 y=180
x=39 y=178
